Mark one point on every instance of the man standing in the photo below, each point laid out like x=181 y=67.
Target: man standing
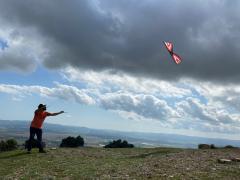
x=36 y=126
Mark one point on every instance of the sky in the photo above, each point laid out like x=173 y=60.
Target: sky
x=104 y=63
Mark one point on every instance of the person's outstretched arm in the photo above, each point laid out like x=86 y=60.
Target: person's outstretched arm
x=54 y=114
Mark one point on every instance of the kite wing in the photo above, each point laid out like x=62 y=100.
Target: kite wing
x=177 y=59
x=169 y=46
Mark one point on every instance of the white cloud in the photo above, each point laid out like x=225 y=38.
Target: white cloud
x=113 y=81
x=186 y=104
x=147 y=106
x=60 y=91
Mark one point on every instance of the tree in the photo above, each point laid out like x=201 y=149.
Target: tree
x=72 y=142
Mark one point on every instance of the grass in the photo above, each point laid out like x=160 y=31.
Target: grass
x=93 y=163
x=75 y=163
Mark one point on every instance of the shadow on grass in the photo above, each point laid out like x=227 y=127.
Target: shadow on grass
x=11 y=155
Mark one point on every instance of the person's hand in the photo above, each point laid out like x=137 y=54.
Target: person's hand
x=61 y=112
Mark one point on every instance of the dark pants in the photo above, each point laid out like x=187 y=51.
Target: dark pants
x=38 y=132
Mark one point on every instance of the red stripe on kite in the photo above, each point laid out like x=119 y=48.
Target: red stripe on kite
x=169 y=46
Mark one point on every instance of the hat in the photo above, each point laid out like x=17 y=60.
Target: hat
x=41 y=106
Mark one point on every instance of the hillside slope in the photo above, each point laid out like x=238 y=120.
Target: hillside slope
x=138 y=163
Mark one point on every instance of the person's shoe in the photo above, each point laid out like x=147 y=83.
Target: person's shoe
x=42 y=151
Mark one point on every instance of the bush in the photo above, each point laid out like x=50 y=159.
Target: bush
x=3 y=146
x=8 y=145
x=212 y=146
x=34 y=144
x=229 y=147
x=11 y=144
x=119 y=144
x=72 y=142
x=204 y=146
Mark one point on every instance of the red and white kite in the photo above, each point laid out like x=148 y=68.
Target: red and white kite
x=177 y=59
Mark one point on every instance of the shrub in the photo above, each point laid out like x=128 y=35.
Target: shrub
x=34 y=144
x=8 y=145
x=11 y=144
x=204 y=146
x=212 y=146
x=3 y=146
x=229 y=146
x=72 y=142
x=119 y=144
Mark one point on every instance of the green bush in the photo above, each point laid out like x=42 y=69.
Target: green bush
x=72 y=142
x=119 y=144
x=204 y=146
x=11 y=144
x=3 y=146
x=212 y=146
x=229 y=147
x=34 y=144
x=8 y=145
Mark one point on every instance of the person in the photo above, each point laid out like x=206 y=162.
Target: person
x=36 y=126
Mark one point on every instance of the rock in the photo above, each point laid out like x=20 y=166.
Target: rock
x=224 y=161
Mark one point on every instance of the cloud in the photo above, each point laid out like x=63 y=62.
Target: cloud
x=147 y=106
x=109 y=81
x=131 y=97
x=21 y=50
x=187 y=104
x=127 y=35
x=61 y=91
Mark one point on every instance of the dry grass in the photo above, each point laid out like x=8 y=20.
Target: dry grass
x=136 y=163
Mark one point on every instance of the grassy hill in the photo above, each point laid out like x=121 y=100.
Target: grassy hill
x=135 y=163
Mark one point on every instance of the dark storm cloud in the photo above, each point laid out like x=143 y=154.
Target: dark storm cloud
x=127 y=35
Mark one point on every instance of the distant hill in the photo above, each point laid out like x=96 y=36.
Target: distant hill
x=53 y=133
